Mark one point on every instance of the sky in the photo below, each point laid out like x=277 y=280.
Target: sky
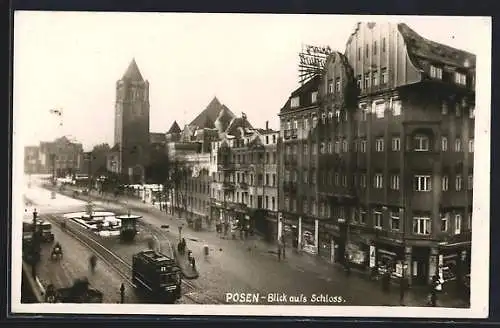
x=71 y=61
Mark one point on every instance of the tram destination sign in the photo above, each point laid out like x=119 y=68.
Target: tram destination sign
x=312 y=61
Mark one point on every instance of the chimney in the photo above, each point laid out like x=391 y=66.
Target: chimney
x=267 y=125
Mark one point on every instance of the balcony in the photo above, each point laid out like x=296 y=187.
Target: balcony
x=290 y=187
x=290 y=134
x=228 y=186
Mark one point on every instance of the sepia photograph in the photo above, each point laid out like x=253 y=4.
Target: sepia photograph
x=250 y=164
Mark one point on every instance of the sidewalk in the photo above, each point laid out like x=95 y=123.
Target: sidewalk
x=300 y=261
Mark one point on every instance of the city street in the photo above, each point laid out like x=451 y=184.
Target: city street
x=251 y=266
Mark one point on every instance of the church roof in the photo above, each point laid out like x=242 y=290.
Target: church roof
x=211 y=112
x=174 y=128
x=132 y=73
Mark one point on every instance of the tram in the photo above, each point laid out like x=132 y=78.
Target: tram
x=128 y=228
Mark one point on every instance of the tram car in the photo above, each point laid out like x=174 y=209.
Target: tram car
x=158 y=275
x=128 y=228
x=44 y=226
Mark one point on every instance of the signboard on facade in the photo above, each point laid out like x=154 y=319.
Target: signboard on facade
x=312 y=60
x=372 y=256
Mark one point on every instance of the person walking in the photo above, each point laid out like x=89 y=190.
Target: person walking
x=93 y=262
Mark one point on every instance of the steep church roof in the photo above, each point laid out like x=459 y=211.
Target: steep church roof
x=174 y=128
x=223 y=119
x=211 y=112
x=132 y=73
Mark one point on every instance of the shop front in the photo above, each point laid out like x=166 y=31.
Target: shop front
x=423 y=264
x=357 y=247
x=308 y=236
x=268 y=225
x=290 y=230
x=328 y=241
x=454 y=262
x=390 y=258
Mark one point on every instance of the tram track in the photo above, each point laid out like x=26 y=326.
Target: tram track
x=114 y=261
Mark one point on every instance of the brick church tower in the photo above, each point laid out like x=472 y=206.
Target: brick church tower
x=132 y=124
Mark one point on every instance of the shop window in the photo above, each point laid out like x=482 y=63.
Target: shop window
x=379 y=144
x=444 y=183
x=395 y=221
x=470 y=182
x=444 y=222
x=422 y=183
x=458 y=183
x=458 y=224
x=395 y=182
x=421 y=225
x=377 y=217
x=378 y=181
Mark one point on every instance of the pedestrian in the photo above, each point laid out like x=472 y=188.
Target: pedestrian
x=93 y=262
x=403 y=286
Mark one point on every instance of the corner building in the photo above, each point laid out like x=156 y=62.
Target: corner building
x=378 y=155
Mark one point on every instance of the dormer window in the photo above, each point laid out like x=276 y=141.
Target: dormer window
x=460 y=78
x=295 y=102
x=314 y=97
x=436 y=72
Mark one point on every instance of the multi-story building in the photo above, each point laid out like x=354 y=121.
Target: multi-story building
x=60 y=157
x=244 y=172
x=378 y=155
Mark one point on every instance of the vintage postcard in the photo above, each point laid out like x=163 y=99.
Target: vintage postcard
x=210 y=164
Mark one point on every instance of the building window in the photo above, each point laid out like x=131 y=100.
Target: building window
x=314 y=149
x=444 y=183
x=330 y=86
x=337 y=176
x=313 y=177
x=396 y=144
x=436 y=72
x=344 y=180
x=396 y=107
x=337 y=146
x=363 y=110
x=378 y=181
x=295 y=102
x=359 y=53
x=444 y=223
x=366 y=85
x=458 y=145
x=421 y=226
x=374 y=78
x=444 y=143
x=422 y=183
x=395 y=182
x=472 y=113
x=444 y=107
x=306 y=176
x=345 y=146
x=306 y=123
x=362 y=180
x=458 y=109
x=421 y=143
x=379 y=145
x=274 y=179
x=377 y=217
x=471 y=145
x=385 y=76
x=315 y=121
x=337 y=84
x=330 y=147
x=367 y=51
x=383 y=44
x=458 y=224
x=470 y=182
x=460 y=78
x=362 y=217
x=362 y=146
x=374 y=47
x=314 y=97
x=458 y=183
x=358 y=81
x=380 y=109
x=395 y=221
x=322 y=148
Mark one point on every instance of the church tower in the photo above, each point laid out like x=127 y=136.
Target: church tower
x=132 y=123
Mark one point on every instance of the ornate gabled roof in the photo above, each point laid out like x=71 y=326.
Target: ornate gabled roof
x=422 y=50
x=174 y=128
x=211 y=112
x=133 y=73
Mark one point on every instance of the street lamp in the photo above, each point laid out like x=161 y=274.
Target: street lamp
x=35 y=244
